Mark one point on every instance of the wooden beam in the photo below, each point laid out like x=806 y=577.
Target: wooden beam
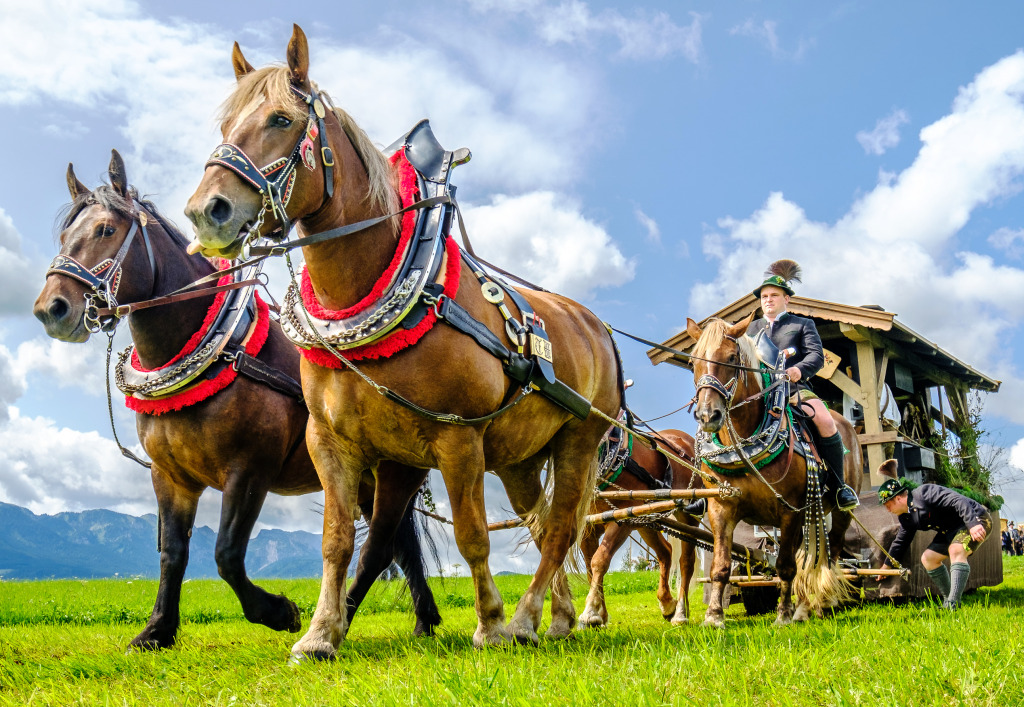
x=883 y=438
x=847 y=385
x=872 y=415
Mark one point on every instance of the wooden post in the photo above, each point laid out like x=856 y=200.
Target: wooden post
x=869 y=369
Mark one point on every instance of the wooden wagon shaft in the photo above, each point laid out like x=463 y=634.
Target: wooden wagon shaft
x=741 y=552
x=656 y=494
x=759 y=580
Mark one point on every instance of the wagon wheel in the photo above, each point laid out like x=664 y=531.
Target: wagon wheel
x=759 y=600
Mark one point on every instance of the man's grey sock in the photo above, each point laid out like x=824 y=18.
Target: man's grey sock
x=940 y=576
x=959 y=572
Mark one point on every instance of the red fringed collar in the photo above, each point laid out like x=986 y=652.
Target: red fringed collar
x=207 y=388
x=400 y=338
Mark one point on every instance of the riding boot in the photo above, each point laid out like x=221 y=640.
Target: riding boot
x=940 y=576
x=832 y=451
x=959 y=573
x=696 y=508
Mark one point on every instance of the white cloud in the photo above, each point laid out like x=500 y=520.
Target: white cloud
x=18 y=274
x=69 y=365
x=904 y=233
x=885 y=135
x=49 y=469
x=649 y=224
x=542 y=237
x=763 y=31
x=12 y=383
x=1008 y=240
x=766 y=32
x=642 y=36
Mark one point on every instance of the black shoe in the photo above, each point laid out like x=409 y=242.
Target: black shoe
x=696 y=508
x=846 y=499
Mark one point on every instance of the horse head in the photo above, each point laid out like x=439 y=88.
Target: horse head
x=722 y=352
x=95 y=258
x=276 y=164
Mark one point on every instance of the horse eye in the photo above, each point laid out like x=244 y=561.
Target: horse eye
x=279 y=121
x=105 y=231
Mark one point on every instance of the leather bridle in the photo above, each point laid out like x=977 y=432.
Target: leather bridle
x=274 y=181
x=104 y=279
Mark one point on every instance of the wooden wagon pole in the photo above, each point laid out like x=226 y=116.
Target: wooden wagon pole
x=757 y=579
x=659 y=494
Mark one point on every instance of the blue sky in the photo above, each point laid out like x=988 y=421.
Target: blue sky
x=649 y=159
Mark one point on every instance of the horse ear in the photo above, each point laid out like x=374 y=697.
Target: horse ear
x=298 y=57
x=889 y=468
x=118 y=180
x=740 y=327
x=239 y=62
x=76 y=188
x=693 y=329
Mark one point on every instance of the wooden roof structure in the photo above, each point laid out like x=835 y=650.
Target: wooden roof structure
x=867 y=348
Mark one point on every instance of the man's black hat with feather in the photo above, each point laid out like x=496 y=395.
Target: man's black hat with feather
x=780 y=274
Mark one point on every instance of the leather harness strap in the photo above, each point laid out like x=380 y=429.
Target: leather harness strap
x=255 y=369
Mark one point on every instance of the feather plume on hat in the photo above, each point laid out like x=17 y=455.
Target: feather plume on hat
x=788 y=270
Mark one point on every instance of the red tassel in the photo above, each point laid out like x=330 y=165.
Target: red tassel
x=207 y=389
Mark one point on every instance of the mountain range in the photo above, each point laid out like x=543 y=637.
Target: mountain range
x=103 y=543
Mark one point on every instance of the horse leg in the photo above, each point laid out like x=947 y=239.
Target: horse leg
x=722 y=526
x=687 y=561
x=789 y=535
x=177 y=512
x=574 y=468
x=595 y=612
x=242 y=500
x=328 y=625
x=663 y=551
x=464 y=480
x=396 y=486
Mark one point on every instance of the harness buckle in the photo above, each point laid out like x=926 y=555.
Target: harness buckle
x=327 y=155
x=122 y=311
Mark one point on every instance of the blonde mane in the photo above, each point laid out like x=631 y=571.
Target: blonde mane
x=273 y=84
x=711 y=339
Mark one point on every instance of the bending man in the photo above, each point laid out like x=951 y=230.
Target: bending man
x=961 y=525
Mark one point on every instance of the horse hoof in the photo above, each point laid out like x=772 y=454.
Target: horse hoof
x=783 y=621
x=526 y=639
x=714 y=623
x=492 y=638
x=296 y=659
x=679 y=622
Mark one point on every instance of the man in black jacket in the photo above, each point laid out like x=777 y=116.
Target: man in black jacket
x=789 y=331
x=961 y=525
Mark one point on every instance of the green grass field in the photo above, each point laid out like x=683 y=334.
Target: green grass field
x=62 y=642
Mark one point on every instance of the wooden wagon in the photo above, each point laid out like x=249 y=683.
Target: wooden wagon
x=909 y=400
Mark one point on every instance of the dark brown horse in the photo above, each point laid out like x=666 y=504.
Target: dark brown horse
x=598 y=558
x=778 y=498
x=353 y=427
x=246 y=440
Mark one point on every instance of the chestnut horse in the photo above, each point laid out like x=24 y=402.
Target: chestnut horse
x=353 y=427
x=246 y=440
x=779 y=497
x=598 y=558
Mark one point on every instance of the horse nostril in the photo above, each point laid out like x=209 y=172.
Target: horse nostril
x=59 y=309
x=218 y=210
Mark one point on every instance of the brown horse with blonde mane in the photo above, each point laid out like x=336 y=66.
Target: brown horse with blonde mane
x=435 y=370
x=600 y=542
x=245 y=439
x=775 y=496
